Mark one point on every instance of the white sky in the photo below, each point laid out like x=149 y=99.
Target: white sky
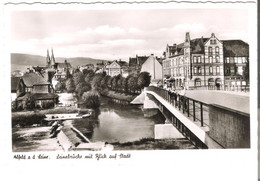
x=115 y=34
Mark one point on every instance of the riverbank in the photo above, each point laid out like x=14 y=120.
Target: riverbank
x=117 y=95
x=33 y=139
x=37 y=139
x=36 y=117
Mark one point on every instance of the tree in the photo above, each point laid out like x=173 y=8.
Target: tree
x=78 y=78
x=60 y=86
x=89 y=75
x=91 y=99
x=124 y=84
x=98 y=84
x=109 y=81
x=81 y=88
x=132 y=83
x=70 y=86
x=143 y=80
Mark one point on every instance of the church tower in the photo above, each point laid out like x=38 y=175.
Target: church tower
x=48 y=60
x=52 y=59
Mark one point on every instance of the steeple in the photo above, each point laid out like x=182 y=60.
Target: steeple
x=187 y=37
x=48 y=61
x=52 y=58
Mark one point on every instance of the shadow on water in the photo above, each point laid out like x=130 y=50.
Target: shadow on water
x=117 y=122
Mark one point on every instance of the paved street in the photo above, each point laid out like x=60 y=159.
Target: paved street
x=239 y=102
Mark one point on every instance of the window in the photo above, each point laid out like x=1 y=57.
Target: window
x=217 y=59
x=210 y=59
x=235 y=60
x=210 y=50
x=243 y=59
x=199 y=59
x=213 y=42
x=210 y=70
x=27 y=89
x=240 y=70
x=217 y=50
x=195 y=70
x=197 y=82
x=227 y=60
x=228 y=70
x=239 y=60
x=218 y=70
x=199 y=70
x=194 y=59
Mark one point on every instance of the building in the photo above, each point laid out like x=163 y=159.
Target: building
x=154 y=67
x=33 y=86
x=86 y=67
x=135 y=64
x=117 y=67
x=236 y=63
x=199 y=63
x=14 y=87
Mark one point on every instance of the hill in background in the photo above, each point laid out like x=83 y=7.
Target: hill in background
x=21 y=61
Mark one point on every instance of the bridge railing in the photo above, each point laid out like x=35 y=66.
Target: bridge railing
x=194 y=109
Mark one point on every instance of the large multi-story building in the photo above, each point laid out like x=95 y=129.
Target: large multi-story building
x=200 y=63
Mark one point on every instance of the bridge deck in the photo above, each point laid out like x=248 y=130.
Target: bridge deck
x=238 y=102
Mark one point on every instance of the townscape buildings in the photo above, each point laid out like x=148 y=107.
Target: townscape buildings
x=200 y=63
x=206 y=62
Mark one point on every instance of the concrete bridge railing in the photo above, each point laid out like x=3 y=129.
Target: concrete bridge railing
x=208 y=125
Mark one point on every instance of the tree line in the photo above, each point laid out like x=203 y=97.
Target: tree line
x=89 y=84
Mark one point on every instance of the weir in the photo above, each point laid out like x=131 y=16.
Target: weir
x=206 y=125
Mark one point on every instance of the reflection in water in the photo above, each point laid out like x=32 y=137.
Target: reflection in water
x=118 y=123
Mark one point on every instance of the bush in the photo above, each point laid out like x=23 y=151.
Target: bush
x=27 y=119
x=91 y=99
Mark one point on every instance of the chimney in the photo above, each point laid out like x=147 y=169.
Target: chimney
x=152 y=54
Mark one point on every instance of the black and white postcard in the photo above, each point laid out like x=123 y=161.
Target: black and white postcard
x=129 y=90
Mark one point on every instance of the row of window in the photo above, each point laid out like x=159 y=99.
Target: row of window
x=235 y=60
x=211 y=59
x=234 y=70
x=197 y=59
x=211 y=50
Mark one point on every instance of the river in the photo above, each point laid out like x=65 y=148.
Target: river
x=118 y=123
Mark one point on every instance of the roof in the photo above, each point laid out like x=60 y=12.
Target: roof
x=197 y=46
x=235 y=48
x=138 y=60
x=38 y=96
x=132 y=62
x=14 y=83
x=33 y=78
x=63 y=65
x=122 y=63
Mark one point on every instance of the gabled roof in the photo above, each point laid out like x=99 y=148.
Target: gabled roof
x=197 y=45
x=14 y=83
x=138 y=60
x=33 y=78
x=236 y=48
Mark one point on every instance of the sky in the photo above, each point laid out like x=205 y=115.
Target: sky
x=119 y=34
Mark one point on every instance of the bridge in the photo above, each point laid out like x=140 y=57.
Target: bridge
x=209 y=119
